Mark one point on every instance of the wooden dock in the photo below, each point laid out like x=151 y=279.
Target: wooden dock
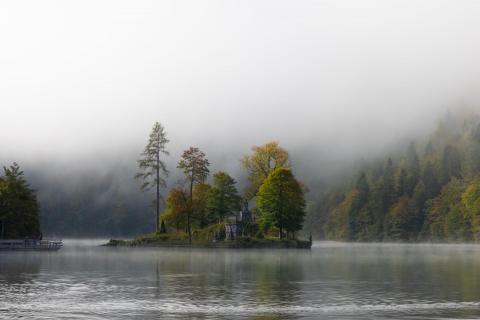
x=30 y=245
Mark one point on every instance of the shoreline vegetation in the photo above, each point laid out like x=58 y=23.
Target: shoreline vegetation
x=213 y=214
x=430 y=192
x=169 y=241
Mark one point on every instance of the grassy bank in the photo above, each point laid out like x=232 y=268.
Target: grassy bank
x=181 y=240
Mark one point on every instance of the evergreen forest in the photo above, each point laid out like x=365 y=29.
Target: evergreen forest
x=429 y=192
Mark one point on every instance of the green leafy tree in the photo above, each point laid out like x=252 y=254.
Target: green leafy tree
x=152 y=169
x=281 y=201
x=223 y=198
x=195 y=167
x=19 y=208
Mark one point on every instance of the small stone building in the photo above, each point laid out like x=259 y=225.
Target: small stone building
x=235 y=224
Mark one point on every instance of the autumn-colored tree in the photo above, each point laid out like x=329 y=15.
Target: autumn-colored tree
x=200 y=212
x=261 y=163
x=152 y=169
x=223 y=197
x=195 y=167
x=178 y=207
x=281 y=201
x=336 y=226
x=471 y=202
x=399 y=219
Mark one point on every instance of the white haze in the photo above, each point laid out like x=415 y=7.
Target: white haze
x=81 y=82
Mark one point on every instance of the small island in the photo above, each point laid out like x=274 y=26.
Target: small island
x=236 y=232
x=199 y=214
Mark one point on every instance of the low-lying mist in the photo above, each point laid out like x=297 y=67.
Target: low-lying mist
x=332 y=82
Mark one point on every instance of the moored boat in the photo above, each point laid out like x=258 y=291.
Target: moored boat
x=30 y=245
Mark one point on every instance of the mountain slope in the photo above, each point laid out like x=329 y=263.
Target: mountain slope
x=430 y=192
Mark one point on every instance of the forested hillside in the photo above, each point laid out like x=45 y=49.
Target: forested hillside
x=93 y=204
x=431 y=191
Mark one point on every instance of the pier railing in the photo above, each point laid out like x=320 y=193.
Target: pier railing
x=30 y=244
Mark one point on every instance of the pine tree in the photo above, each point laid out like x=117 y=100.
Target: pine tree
x=19 y=208
x=451 y=165
x=429 y=177
x=360 y=198
x=153 y=169
x=429 y=149
x=412 y=164
x=401 y=183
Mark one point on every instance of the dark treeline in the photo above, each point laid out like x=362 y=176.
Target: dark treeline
x=92 y=205
x=430 y=192
x=19 y=209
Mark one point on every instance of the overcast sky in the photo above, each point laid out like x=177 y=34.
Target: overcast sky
x=88 y=78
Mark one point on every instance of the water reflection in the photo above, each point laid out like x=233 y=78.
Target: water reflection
x=331 y=281
x=229 y=278
x=18 y=267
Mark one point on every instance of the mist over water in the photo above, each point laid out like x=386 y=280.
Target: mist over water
x=332 y=81
x=333 y=280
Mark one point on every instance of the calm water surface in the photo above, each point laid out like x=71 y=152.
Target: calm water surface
x=332 y=281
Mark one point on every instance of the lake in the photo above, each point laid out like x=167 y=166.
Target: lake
x=331 y=281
